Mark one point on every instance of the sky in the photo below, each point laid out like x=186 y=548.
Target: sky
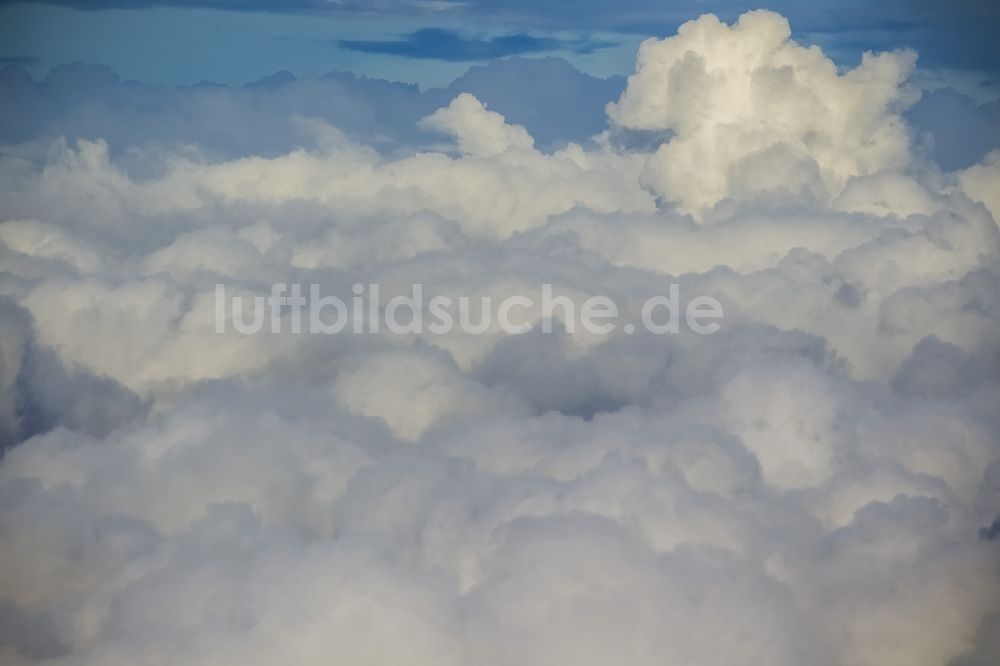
x=431 y=43
x=499 y=334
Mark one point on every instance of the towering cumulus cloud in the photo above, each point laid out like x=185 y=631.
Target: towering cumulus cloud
x=754 y=113
x=818 y=482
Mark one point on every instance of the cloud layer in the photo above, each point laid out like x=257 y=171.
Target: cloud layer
x=816 y=483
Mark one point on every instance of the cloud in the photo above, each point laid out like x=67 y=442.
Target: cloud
x=477 y=130
x=443 y=44
x=756 y=113
x=817 y=482
x=554 y=101
x=957 y=35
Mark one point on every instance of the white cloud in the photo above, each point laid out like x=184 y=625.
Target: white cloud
x=808 y=485
x=478 y=131
x=982 y=182
x=753 y=113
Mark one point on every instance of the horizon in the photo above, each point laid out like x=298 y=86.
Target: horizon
x=181 y=43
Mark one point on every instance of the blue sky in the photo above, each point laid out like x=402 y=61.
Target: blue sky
x=433 y=42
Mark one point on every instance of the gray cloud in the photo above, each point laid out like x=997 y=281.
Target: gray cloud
x=449 y=45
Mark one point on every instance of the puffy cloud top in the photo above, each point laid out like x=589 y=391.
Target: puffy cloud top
x=479 y=132
x=751 y=112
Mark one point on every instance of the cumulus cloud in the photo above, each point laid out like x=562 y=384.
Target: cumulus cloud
x=979 y=182
x=478 y=131
x=817 y=482
x=753 y=113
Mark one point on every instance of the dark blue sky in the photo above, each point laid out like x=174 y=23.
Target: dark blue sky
x=432 y=41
